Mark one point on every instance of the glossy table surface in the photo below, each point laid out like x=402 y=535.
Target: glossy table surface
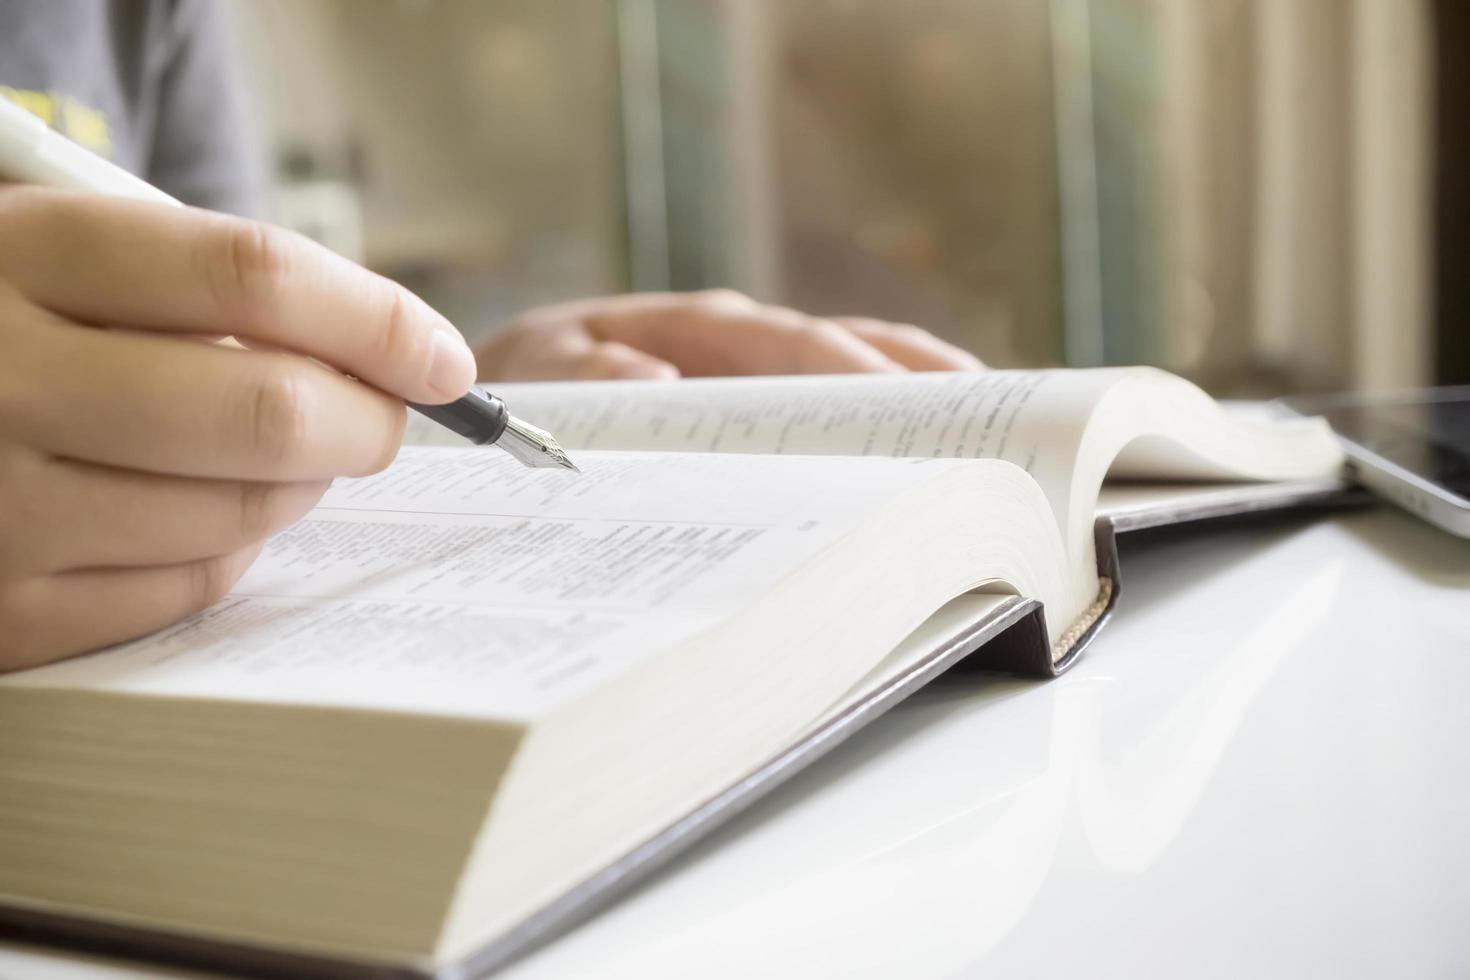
x=1261 y=768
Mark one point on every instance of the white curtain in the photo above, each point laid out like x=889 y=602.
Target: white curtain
x=1296 y=151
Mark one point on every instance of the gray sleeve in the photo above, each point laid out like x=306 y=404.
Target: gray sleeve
x=204 y=150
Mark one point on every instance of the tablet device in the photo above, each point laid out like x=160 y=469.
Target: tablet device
x=1413 y=447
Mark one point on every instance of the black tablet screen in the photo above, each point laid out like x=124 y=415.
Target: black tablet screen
x=1430 y=438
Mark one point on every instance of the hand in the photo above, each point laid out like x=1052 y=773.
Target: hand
x=720 y=332
x=140 y=470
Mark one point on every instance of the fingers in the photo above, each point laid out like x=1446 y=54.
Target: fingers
x=564 y=349
x=722 y=333
x=128 y=263
x=718 y=332
x=141 y=401
x=609 y=361
x=62 y=515
x=40 y=619
x=915 y=349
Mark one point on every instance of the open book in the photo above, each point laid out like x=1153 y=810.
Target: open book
x=461 y=700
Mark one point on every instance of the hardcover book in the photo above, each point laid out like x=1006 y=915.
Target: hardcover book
x=462 y=703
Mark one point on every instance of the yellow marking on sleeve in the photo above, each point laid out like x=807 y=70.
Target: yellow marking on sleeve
x=78 y=121
x=87 y=126
x=39 y=104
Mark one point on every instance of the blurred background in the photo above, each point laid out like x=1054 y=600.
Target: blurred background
x=1262 y=195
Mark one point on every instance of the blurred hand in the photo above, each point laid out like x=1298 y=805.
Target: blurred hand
x=140 y=470
x=720 y=332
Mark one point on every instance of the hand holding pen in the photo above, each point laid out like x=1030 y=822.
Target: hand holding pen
x=31 y=153
x=140 y=470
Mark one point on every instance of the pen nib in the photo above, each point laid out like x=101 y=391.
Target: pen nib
x=532 y=446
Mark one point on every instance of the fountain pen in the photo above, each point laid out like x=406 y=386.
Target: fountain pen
x=32 y=153
x=483 y=419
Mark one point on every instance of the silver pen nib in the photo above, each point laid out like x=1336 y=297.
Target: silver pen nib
x=533 y=446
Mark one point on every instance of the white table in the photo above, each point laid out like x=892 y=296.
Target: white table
x=1261 y=768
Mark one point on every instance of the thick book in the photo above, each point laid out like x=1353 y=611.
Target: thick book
x=462 y=703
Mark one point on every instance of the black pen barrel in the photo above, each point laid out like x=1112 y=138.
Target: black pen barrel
x=478 y=416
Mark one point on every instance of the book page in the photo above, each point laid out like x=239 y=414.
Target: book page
x=1135 y=422
x=459 y=582
x=1034 y=419
x=972 y=414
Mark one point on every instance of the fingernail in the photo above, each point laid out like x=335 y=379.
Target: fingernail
x=452 y=367
x=651 y=371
